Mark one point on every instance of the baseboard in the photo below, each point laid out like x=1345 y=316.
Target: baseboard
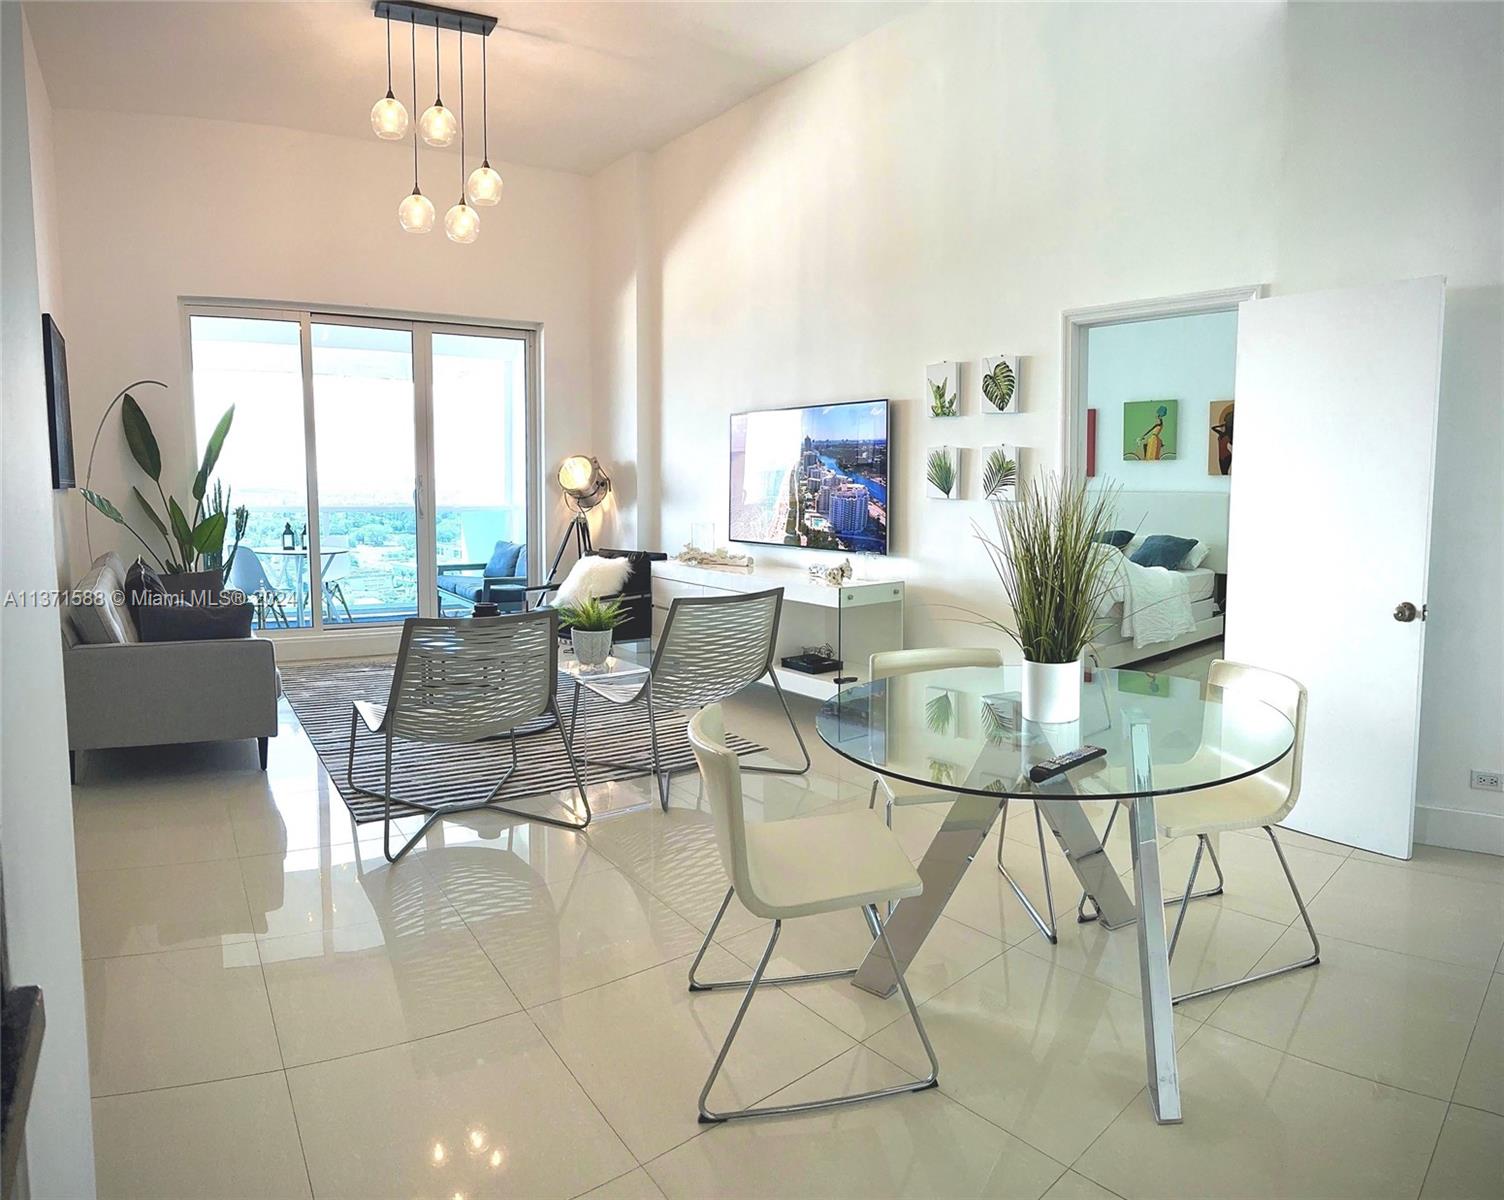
x=1459 y=830
x=306 y=646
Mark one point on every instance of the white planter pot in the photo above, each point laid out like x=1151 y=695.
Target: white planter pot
x=1052 y=692
x=591 y=646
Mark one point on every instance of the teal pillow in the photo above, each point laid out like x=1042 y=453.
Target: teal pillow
x=503 y=564
x=1162 y=550
x=1116 y=538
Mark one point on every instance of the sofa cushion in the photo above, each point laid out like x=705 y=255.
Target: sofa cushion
x=142 y=583
x=465 y=586
x=503 y=561
x=97 y=609
x=169 y=619
x=592 y=577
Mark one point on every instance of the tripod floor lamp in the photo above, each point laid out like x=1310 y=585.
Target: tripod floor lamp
x=585 y=485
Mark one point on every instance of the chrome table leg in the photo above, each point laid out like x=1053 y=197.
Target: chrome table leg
x=1153 y=946
x=955 y=845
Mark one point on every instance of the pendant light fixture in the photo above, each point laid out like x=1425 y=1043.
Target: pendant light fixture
x=484 y=185
x=388 y=117
x=462 y=223
x=437 y=122
x=415 y=213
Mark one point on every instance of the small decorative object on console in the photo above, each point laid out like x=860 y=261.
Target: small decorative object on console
x=813 y=660
x=834 y=576
x=720 y=560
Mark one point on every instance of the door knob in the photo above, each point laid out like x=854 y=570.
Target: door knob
x=1406 y=612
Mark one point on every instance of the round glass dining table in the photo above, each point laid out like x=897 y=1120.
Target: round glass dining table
x=961 y=732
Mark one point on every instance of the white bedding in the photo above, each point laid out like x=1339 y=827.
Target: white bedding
x=1153 y=604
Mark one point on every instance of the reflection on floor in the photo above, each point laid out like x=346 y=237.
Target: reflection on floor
x=275 y=1012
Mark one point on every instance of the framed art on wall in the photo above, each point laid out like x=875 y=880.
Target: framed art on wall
x=942 y=473
x=999 y=472
x=1150 y=430
x=943 y=389
x=1219 y=438
x=1000 y=383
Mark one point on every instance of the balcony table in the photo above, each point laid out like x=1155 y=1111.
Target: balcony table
x=959 y=731
x=294 y=562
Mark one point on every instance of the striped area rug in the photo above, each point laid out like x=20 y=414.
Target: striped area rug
x=321 y=694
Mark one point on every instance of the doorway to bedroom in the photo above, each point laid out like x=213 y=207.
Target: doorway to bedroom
x=1150 y=392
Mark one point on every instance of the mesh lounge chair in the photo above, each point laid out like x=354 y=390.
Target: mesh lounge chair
x=711 y=648
x=460 y=681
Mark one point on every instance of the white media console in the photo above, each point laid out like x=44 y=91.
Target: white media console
x=856 y=619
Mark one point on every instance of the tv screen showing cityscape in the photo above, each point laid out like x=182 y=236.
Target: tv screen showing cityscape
x=815 y=477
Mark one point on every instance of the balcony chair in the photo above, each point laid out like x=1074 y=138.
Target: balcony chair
x=248 y=575
x=459 y=681
x=780 y=870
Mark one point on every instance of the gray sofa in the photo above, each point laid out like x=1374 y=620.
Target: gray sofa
x=122 y=691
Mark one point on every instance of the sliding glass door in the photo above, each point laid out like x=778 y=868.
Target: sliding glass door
x=382 y=461
x=480 y=462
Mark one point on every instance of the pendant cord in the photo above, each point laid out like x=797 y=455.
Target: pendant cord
x=462 y=116
x=485 y=104
x=438 y=89
x=389 y=52
x=414 y=30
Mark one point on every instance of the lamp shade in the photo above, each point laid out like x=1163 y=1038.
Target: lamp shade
x=583 y=481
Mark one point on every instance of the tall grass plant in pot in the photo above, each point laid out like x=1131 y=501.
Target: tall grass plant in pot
x=1055 y=573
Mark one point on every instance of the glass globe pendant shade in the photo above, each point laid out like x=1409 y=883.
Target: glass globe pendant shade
x=388 y=118
x=437 y=124
x=484 y=186
x=462 y=223
x=416 y=213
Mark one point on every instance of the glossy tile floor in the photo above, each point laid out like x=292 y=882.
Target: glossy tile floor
x=275 y=1012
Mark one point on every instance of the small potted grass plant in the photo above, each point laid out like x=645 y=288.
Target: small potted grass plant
x=591 y=623
x=1049 y=556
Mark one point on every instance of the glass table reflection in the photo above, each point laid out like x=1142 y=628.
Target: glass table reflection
x=962 y=733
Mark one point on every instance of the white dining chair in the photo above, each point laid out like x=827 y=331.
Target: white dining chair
x=780 y=870
x=1257 y=801
x=888 y=663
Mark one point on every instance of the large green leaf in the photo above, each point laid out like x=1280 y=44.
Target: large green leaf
x=139 y=437
x=998 y=385
x=210 y=533
x=181 y=531
x=211 y=453
x=152 y=513
x=104 y=505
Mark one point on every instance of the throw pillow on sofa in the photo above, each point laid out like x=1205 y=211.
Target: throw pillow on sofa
x=96 y=609
x=172 y=620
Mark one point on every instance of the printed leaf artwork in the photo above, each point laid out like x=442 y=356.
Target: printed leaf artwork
x=940 y=404
x=998 y=385
x=941 y=471
x=999 y=474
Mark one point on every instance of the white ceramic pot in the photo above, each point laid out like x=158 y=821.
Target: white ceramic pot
x=591 y=646
x=1052 y=692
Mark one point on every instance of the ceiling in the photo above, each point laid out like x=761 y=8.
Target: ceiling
x=573 y=86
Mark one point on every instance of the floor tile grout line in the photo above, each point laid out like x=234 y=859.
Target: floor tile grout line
x=1477 y=1021
x=170 y=1087
x=1441 y=1128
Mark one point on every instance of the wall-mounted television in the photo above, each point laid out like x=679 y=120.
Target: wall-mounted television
x=59 y=421
x=814 y=477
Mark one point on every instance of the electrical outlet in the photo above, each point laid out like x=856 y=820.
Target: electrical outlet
x=1487 y=781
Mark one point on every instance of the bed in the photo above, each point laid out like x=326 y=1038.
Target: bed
x=1152 y=611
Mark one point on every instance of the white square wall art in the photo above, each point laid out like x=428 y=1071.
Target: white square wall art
x=1000 y=384
x=942 y=390
x=999 y=472
x=942 y=473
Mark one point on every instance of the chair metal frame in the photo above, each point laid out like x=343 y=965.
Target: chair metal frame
x=502 y=707
x=733 y=850
x=698 y=691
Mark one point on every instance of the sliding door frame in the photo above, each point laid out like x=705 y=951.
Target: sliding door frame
x=422 y=328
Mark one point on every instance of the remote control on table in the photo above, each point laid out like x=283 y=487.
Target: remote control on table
x=1061 y=763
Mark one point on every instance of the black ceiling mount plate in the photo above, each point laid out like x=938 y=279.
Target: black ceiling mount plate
x=432 y=15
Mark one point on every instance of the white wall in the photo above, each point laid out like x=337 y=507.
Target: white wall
x=157 y=208
x=945 y=187
x=36 y=816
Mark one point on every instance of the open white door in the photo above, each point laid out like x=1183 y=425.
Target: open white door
x=1329 y=537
